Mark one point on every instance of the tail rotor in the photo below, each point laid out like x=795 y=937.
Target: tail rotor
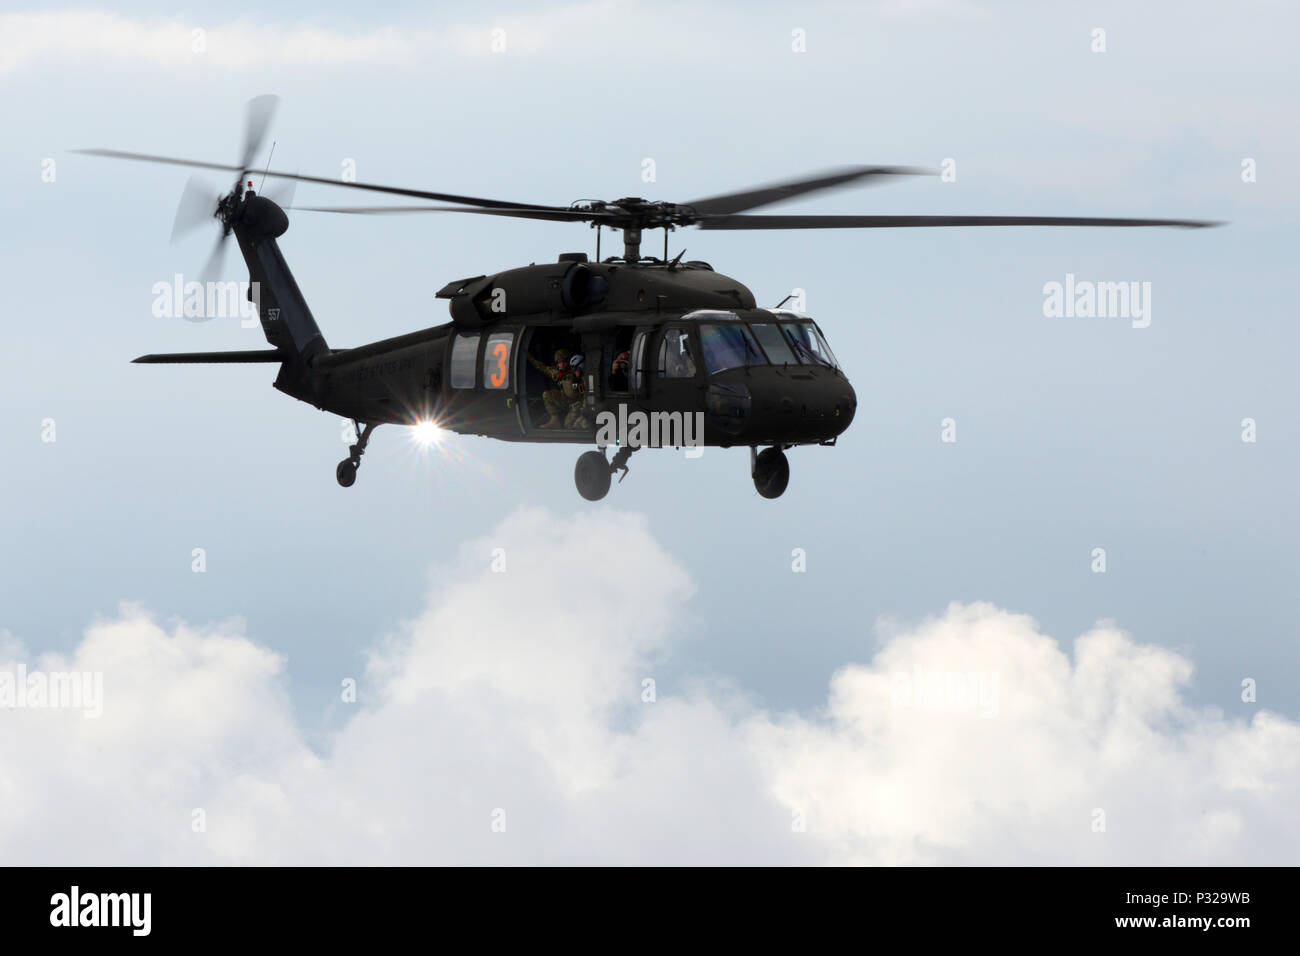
x=201 y=202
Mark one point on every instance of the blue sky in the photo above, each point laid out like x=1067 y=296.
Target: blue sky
x=1072 y=434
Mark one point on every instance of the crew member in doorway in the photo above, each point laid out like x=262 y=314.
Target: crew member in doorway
x=557 y=405
x=618 y=372
x=575 y=393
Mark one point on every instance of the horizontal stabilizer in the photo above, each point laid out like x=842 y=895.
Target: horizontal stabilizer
x=187 y=358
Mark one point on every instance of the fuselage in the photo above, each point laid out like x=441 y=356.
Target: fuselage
x=749 y=376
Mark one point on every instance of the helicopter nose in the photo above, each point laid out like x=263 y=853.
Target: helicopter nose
x=805 y=406
x=828 y=408
x=844 y=407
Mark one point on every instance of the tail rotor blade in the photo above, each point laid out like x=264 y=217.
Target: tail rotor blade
x=258 y=120
x=212 y=269
x=197 y=207
x=281 y=191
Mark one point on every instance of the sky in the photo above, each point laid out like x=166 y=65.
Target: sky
x=910 y=657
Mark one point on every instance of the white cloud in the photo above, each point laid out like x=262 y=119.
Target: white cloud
x=79 y=36
x=521 y=691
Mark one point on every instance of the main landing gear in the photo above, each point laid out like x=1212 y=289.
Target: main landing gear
x=346 y=472
x=593 y=473
x=770 y=470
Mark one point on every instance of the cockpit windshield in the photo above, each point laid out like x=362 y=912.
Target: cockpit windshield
x=774 y=344
x=809 y=344
x=729 y=346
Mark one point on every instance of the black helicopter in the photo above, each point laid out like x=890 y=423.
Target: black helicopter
x=632 y=350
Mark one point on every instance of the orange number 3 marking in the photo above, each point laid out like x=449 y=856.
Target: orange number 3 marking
x=501 y=351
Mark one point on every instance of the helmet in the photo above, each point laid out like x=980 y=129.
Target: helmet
x=575 y=362
x=561 y=355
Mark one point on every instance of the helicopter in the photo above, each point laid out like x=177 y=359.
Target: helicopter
x=628 y=351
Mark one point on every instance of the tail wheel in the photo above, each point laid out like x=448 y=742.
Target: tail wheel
x=346 y=473
x=592 y=475
x=771 y=472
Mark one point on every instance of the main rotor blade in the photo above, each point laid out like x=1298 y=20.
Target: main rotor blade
x=256 y=122
x=554 y=215
x=198 y=205
x=894 y=222
x=394 y=190
x=776 y=192
x=147 y=158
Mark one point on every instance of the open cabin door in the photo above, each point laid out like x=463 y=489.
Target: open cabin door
x=547 y=406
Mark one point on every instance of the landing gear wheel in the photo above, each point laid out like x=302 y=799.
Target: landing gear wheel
x=346 y=472
x=592 y=475
x=771 y=472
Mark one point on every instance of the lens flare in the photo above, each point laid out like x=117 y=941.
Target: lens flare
x=427 y=433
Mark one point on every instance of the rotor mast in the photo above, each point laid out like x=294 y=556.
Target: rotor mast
x=632 y=242
x=634 y=215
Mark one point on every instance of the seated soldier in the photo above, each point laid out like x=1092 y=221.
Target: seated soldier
x=557 y=405
x=618 y=372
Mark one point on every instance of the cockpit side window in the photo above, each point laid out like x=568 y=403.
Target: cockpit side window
x=729 y=346
x=675 y=356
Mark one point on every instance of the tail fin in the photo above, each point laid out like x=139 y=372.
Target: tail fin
x=286 y=319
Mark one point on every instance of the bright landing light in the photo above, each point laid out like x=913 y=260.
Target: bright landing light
x=427 y=433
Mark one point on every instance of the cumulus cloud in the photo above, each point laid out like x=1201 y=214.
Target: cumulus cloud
x=504 y=726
